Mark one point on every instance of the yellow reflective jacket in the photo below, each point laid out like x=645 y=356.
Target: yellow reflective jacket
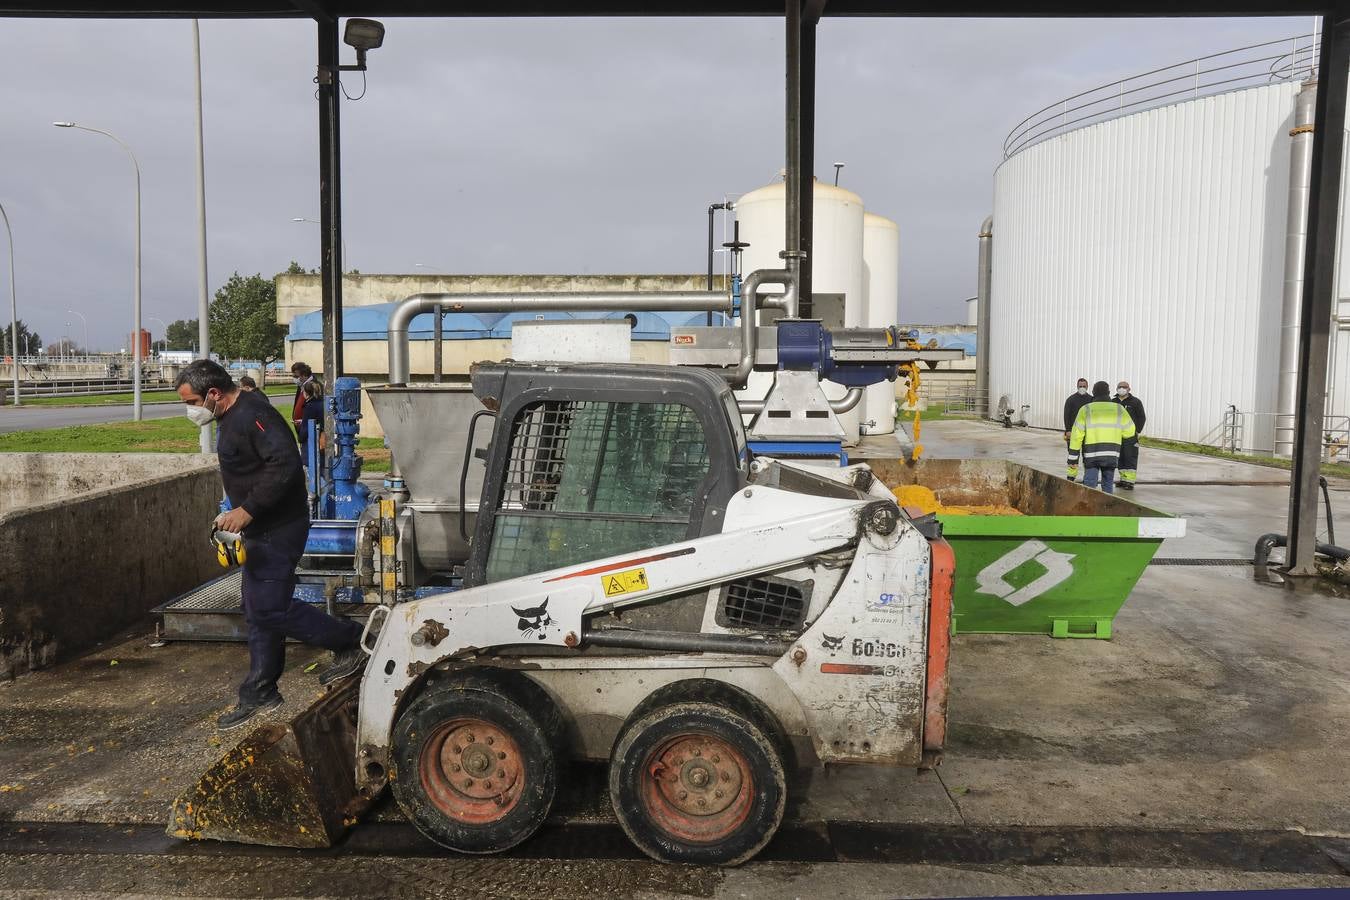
x=1098 y=431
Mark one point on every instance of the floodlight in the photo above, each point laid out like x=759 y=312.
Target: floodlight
x=363 y=34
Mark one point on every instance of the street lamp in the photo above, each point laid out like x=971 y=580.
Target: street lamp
x=136 y=309
x=13 y=308
x=164 y=332
x=86 y=328
x=345 y=264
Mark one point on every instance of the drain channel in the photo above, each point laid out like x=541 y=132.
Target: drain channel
x=802 y=842
x=1198 y=561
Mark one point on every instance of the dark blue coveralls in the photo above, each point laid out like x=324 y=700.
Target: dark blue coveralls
x=260 y=467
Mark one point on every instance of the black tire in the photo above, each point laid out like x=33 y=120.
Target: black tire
x=697 y=782
x=506 y=792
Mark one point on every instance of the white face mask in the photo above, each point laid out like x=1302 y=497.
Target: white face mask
x=1123 y=392
x=201 y=416
x=1083 y=391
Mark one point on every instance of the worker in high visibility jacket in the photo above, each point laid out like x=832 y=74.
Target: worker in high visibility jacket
x=1098 y=431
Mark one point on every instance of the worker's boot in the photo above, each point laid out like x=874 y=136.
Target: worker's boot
x=245 y=711
x=345 y=662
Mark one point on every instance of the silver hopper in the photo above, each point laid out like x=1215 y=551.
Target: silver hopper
x=427 y=427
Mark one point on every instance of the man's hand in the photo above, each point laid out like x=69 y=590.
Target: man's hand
x=236 y=520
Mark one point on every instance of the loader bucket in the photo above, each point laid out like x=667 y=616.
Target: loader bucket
x=285 y=785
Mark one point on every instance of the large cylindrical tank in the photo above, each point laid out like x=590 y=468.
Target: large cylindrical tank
x=836 y=268
x=881 y=292
x=1115 y=258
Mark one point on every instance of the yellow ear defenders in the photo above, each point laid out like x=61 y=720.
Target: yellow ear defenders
x=229 y=547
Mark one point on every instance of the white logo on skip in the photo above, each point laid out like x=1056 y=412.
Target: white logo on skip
x=1058 y=567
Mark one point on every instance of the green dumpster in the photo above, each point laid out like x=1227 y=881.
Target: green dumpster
x=1063 y=567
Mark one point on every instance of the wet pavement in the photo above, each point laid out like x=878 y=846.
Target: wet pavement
x=1203 y=747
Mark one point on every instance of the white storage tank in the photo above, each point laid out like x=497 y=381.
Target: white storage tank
x=1114 y=259
x=836 y=268
x=881 y=292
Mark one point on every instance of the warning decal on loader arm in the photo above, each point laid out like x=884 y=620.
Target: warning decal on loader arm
x=630 y=581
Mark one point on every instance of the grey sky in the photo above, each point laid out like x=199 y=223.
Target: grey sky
x=493 y=146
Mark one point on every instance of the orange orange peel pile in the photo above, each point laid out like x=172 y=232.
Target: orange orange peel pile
x=916 y=496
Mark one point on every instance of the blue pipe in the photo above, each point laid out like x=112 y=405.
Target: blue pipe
x=331 y=537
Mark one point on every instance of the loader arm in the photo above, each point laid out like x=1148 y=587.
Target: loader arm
x=766 y=529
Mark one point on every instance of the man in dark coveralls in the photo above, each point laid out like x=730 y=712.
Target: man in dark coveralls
x=260 y=467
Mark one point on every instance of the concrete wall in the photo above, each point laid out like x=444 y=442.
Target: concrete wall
x=298 y=294
x=117 y=535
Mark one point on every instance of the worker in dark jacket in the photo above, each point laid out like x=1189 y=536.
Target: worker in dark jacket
x=1129 y=450
x=312 y=412
x=1076 y=401
x=260 y=467
x=302 y=374
x=1098 y=432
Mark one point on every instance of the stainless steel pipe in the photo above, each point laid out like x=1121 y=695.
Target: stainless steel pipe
x=750 y=305
x=842 y=405
x=559 y=301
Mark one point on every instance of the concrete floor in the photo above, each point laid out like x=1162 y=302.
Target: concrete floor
x=1219 y=709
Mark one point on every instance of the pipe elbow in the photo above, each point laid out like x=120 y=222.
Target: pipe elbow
x=848 y=401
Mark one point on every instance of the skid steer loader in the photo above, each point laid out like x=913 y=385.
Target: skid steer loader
x=638 y=588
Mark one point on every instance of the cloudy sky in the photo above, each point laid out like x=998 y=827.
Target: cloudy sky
x=493 y=146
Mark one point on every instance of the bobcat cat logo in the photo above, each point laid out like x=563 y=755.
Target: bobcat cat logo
x=533 y=620
x=831 y=643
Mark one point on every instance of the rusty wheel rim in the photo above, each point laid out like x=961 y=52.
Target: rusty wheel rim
x=472 y=770
x=697 y=787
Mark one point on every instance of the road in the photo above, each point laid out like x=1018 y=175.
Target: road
x=31 y=418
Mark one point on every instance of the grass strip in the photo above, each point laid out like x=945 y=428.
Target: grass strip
x=172 y=435
x=1274 y=462
x=273 y=390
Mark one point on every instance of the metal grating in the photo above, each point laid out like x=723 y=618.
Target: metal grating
x=225 y=593
x=764 y=603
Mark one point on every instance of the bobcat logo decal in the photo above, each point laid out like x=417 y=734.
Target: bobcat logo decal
x=831 y=643
x=533 y=620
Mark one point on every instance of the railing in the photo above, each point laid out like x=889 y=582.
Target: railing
x=1287 y=59
x=1254 y=433
x=83 y=387
x=955 y=398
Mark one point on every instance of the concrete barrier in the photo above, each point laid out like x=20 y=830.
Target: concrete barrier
x=89 y=542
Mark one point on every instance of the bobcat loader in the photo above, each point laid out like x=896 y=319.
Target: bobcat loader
x=632 y=586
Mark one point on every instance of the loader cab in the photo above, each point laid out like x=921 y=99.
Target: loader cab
x=590 y=461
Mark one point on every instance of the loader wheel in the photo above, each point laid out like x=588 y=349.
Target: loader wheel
x=476 y=771
x=697 y=783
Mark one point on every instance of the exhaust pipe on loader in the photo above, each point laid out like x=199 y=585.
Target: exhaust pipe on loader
x=285 y=785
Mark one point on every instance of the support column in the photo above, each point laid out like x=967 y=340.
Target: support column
x=330 y=203
x=1318 y=287
x=801 y=21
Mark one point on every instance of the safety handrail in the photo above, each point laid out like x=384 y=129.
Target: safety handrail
x=1296 y=60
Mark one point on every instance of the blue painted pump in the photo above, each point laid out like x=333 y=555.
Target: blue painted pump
x=334 y=481
x=346 y=496
x=804 y=345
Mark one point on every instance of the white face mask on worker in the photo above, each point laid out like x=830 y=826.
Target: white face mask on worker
x=200 y=416
x=1123 y=392
x=1082 y=390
